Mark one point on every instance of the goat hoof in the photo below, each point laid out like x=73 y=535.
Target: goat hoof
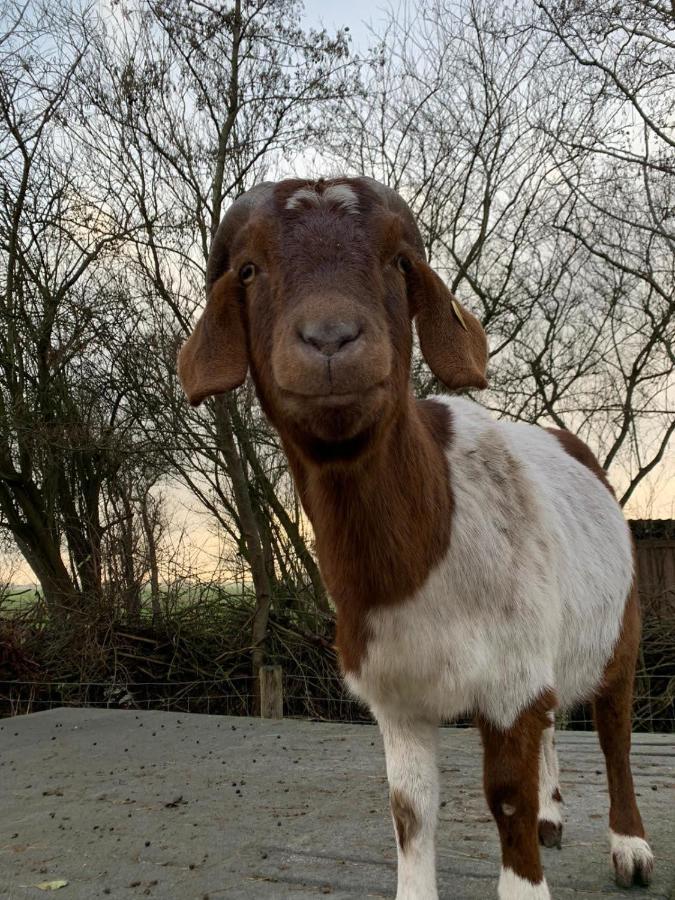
x=633 y=860
x=550 y=833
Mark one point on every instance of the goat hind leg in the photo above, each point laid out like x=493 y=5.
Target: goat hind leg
x=550 y=799
x=632 y=857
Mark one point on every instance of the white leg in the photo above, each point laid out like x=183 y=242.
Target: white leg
x=550 y=801
x=411 y=749
x=632 y=858
x=513 y=887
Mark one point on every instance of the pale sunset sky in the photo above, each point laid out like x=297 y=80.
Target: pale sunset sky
x=655 y=498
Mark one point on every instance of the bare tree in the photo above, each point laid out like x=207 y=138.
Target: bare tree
x=63 y=309
x=203 y=98
x=533 y=141
x=615 y=154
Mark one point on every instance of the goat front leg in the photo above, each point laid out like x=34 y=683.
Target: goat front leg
x=411 y=749
x=511 y=779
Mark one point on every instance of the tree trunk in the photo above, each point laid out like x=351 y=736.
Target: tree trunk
x=226 y=442
x=152 y=560
x=132 y=586
x=250 y=533
x=286 y=522
x=38 y=545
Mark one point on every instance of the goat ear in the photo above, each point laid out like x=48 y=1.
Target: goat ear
x=214 y=358
x=451 y=339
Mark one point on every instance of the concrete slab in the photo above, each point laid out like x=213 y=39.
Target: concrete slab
x=124 y=805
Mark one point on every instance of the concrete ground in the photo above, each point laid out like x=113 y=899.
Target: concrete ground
x=125 y=805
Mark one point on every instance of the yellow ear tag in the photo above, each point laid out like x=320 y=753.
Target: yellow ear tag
x=458 y=312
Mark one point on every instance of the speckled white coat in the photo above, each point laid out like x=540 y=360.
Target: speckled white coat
x=529 y=596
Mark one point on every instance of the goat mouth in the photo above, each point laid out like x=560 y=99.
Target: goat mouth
x=335 y=398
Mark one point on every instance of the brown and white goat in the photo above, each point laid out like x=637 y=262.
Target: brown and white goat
x=476 y=566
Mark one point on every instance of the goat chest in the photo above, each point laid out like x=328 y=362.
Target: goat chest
x=529 y=595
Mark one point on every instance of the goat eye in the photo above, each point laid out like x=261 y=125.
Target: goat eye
x=247 y=273
x=403 y=264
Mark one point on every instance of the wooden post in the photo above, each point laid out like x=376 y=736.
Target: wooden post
x=271 y=693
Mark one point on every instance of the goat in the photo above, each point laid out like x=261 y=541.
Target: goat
x=476 y=566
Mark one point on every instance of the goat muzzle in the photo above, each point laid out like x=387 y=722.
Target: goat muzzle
x=328 y=349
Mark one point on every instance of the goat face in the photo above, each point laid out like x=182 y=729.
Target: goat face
x=314 y=286
x=328 y=319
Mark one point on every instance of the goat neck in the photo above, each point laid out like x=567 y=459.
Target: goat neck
x=381 y=521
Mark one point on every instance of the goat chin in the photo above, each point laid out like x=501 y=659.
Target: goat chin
x=334 y=418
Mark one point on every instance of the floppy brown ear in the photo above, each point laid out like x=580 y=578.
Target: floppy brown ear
x=451 y=339
x=214 y=358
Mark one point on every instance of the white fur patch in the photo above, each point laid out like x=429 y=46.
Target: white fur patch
x=630 y=853
x=303 y=197
x=335 y=195
x=530 y=595
x=341 y=195
x=549 y=809
x=513 y=887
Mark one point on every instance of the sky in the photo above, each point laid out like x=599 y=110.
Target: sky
x=655 y=497
x=356 y=14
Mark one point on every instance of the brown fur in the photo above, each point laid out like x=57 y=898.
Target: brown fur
x=511 y=781
x=383 y=522
x=203 y=368
x=452 y=342
x=612 y=710
x=313 y=262
x=405 y=819
x=368 y=460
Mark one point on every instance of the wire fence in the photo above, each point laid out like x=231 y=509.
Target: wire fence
x=304 y=697
x=197 y=659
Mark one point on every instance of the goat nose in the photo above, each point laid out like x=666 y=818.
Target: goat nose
x=329 y=337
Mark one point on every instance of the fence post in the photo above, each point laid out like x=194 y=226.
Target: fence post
x=271 y=693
